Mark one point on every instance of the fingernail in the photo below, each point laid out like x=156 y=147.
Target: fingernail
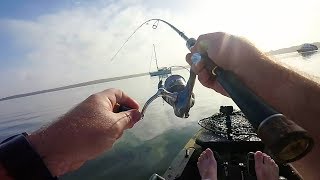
x=195 y=58
x=203 y=46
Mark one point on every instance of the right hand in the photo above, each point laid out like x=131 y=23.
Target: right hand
x=227 y=51
x=86 y=131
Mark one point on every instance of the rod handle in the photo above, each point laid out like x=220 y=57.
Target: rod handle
x=286 y=140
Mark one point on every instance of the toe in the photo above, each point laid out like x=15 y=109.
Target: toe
x=269 y=161
x=265 y=158
x=206 y=154
x=258 y=159
x=209 y=153
x=211 y=156
x=274 y=165
x=200 y=158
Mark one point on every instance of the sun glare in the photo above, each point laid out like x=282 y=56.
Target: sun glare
x=269 y=24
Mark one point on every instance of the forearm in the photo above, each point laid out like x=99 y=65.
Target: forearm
x=291 y=94
x=288 y=92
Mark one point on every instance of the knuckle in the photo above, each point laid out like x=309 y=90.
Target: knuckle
x=219 y=34
x=112 y=90
x=94 y=98
x=117 y=91
x=188 y=58
x=201 y=36
x=118 y=126
x=118 y=130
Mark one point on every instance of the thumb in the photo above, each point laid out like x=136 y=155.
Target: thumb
x=127 y=119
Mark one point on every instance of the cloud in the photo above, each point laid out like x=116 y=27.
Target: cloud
x=75 y=44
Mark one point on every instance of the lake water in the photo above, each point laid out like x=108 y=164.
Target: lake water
x=147 y=148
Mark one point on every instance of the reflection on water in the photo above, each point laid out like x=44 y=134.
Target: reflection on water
x=147 y=148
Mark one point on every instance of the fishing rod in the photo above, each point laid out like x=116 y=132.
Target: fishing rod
x=154 y=26
x=286 y=140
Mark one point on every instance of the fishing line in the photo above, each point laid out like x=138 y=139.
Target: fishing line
x=183 y=67
x=154 y=26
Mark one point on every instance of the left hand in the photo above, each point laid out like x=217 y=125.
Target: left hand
x=85 y=132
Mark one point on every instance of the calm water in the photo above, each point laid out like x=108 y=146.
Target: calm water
x=147 y=148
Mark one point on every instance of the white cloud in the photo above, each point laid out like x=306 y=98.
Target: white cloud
x=75 y=44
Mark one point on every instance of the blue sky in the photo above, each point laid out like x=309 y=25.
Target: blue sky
x=26 y=10
x=46 y=43
x=20 y=9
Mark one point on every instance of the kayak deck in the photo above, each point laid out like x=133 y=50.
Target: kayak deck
x=231 y=155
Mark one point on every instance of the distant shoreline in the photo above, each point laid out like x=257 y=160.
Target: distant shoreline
x=289 y=49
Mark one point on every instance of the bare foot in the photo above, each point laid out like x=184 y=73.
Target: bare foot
x=266 y=168
x=207 y=165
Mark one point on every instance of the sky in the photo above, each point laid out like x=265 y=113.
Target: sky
x=46 y=44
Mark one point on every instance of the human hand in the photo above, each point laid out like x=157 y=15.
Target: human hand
x=226 y=51
x=85 y=132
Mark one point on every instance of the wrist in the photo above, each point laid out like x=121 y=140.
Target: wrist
x=20 y=159
x=39 y=143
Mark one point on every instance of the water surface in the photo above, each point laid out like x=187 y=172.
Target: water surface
x=154 y=141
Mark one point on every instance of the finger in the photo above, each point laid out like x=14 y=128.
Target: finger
x=258 y=159
x=124 y=120
x=199 y=66
x=188 y=59
x=117 y=96
x=196 y=67
x=201 y=44
x=213 y=44
x=217 y=87
x=206 y=79
x=127 y=119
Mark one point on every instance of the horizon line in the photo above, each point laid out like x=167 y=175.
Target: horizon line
x=82 y=84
